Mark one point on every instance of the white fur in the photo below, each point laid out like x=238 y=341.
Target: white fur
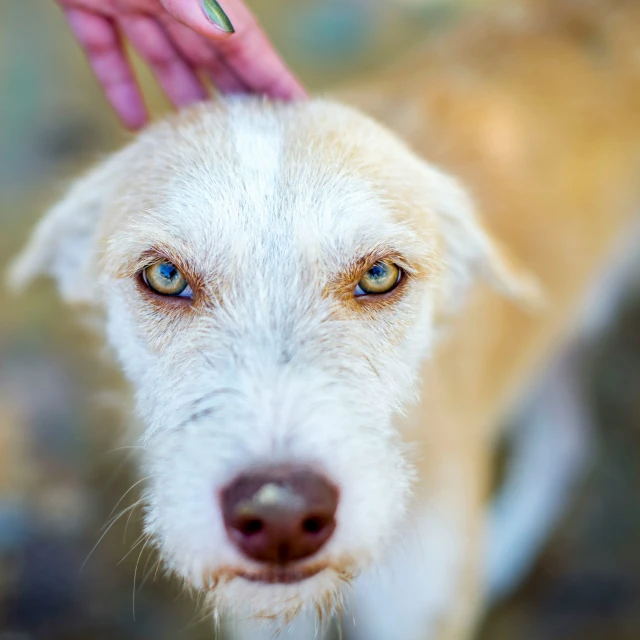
x=407 y=594
x=268 y=204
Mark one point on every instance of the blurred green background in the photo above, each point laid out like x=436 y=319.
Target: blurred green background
x=61 y=471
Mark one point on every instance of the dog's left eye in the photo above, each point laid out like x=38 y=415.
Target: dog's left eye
x=166 y=280
x=382 y=277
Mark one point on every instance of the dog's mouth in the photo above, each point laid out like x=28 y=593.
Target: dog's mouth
x=282 y=575
x=277 y=574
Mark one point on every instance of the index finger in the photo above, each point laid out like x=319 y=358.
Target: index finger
x=241 y=42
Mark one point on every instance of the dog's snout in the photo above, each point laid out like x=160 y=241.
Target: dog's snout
x=280 y=515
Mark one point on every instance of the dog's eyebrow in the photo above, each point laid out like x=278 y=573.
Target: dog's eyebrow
x=416 y=256
x=155 y=253
x=414 y=263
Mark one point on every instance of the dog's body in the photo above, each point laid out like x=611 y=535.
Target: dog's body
x=273 y=213
x=535 y=109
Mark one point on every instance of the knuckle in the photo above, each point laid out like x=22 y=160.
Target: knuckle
x=241 y=47
x=98 y=40
x=200 y=56
x=159 y=57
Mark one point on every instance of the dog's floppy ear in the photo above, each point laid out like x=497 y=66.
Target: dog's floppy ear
x=65 y=243
x=471 y=253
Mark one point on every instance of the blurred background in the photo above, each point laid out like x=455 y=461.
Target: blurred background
x=61 y=469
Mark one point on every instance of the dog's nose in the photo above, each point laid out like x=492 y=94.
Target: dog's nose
x=281 y=514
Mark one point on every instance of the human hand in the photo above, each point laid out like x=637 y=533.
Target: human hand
x=178 y=39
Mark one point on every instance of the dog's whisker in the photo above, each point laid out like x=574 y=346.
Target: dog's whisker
x=114 y=520
x=146 y=564
x=202 y=616
x=133 y=486
x=117 y=471
x=200 y=613
x=140 y=503
x=135 y=573
x=158 y=565
x=147 y=574
x=136 y=543
x=123 y=448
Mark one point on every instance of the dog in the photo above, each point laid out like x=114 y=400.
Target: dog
x=325 y=316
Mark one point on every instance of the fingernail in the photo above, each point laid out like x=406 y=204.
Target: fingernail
x=214 y=12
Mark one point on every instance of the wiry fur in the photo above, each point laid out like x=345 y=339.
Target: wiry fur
x=273 y=213
x=275 y=361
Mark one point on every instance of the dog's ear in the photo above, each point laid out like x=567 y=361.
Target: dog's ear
x=65 y=244
x=471 y=252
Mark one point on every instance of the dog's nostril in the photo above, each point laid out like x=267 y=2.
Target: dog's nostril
x=313 y=524
x=250 y=527
x=279 y=515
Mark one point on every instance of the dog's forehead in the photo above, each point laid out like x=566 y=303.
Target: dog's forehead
x=246 y=175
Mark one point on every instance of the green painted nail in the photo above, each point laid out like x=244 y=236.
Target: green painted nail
x=214 y=12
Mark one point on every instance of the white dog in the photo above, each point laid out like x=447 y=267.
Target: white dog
x=301 y=306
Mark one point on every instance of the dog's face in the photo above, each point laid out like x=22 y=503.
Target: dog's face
x=271 y=278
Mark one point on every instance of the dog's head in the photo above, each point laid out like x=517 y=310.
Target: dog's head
x=271 y=278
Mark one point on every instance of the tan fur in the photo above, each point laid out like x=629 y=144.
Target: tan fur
x=537 y=110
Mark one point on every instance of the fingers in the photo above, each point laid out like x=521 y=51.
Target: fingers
x=203 y=16
x=176 y=37
x=247 y=53
x=201 y=54
x=250 y=54
x=224 y=80
x=176 y=77
x=99 y=39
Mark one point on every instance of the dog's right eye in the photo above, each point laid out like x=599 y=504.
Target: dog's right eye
x=165 y=279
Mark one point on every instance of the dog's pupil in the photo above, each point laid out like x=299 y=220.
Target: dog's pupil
x=378 y=271
x=167 y=271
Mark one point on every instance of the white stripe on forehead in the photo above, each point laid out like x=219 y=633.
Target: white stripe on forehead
x=256 y=138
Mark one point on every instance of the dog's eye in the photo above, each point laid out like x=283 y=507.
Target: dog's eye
x=165 y=279
x=382 y=277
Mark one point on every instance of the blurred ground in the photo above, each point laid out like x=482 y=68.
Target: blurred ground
x=60 y=470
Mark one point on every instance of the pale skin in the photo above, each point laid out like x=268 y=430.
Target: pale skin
x=181 y=43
